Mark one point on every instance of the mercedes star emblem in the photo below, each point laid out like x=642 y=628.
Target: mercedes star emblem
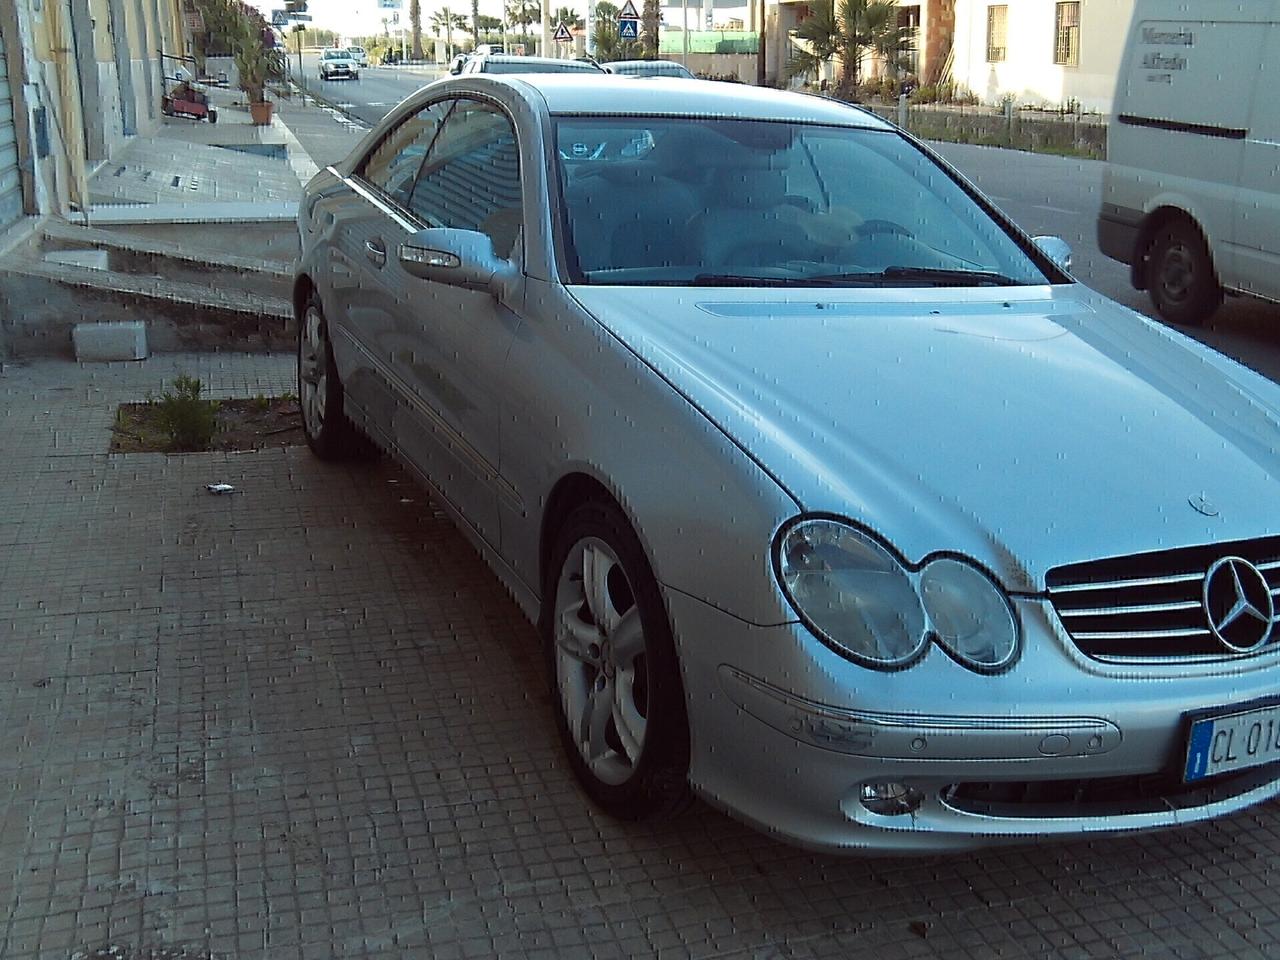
x=1202 y=504
x=1237 y=600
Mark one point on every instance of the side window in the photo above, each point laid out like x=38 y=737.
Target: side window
x=471 y=179
x=394 y=163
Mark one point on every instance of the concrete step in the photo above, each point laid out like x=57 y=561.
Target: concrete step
x=164 y=260
x=42 y=302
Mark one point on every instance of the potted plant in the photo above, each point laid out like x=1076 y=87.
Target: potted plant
x=254 y=63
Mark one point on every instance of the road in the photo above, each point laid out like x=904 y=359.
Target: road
x=369 y=98
x=1043 y=194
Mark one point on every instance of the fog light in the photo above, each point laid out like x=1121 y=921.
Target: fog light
x=891 y=799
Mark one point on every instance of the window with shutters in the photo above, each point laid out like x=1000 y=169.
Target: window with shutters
x=1066 y=41
x=997 y=32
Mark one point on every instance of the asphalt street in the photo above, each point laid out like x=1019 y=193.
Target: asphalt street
x=1043 y=194
x=369 y=98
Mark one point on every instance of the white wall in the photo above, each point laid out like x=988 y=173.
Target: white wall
x=1028 y=73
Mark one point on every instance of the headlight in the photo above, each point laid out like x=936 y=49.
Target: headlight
x=856 y=596
x=970 y=614
x=852 y=592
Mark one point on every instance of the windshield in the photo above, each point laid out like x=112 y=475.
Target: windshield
x=335 y=55
x=669 y=200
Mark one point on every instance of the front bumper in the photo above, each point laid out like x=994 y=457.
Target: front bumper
x=784 y=734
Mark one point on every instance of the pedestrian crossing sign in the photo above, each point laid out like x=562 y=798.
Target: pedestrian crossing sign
x=629 y=29
x=562 y=33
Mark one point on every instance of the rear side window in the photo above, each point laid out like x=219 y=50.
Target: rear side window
x=471 y=178
x=394 y=163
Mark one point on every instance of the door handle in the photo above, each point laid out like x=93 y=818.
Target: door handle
x=375 y=251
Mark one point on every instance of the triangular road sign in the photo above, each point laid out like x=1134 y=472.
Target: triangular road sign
x=628 y=29
x=628 y=12
x=562 y=33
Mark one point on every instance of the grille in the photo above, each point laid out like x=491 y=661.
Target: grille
x=1149 y=605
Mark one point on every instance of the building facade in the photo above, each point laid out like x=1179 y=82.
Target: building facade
x=1041 y=52
x=78 y=80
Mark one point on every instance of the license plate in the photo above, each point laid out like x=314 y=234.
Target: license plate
x=1232 y=741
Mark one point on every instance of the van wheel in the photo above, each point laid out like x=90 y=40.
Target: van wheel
x=1180 y=276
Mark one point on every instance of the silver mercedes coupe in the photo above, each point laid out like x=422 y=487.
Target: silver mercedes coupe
x=837 y=502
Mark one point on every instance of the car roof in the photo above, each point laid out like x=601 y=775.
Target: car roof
x=582 y=66
x=567 y=93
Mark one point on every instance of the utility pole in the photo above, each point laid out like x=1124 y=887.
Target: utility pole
x=545 y=51
x=684 y=31
x=764 y=20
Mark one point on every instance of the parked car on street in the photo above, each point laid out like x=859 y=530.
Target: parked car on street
x=1191 y=192
x=648 y=68
x=359 y=56
x=510 y=63
x=835 y=500
x=457 y=63
x=336 y=64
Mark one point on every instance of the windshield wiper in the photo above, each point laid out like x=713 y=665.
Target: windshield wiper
x=742 y=280
x=935 y=275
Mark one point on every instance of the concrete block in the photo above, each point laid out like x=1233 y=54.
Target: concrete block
x=92 y=259
x=110 y=341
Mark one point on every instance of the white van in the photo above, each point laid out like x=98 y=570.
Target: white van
x=1191 y=195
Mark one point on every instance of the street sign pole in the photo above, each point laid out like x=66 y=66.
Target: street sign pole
x=546 y=29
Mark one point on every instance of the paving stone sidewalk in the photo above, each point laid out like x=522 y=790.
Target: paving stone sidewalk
x=304 y=721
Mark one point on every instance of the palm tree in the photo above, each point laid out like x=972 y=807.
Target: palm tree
x=448 y=21
x=475 y=23
x=650 y=17
x=850 y=31
x=523 y=12
x=569 y=17
x=415 y=23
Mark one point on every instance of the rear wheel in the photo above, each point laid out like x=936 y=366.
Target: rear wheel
x=612 y=664
x=329 y=433
x=1180 y=275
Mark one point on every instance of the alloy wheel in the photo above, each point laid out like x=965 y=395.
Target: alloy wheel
x=600 y=660
x=313 y=371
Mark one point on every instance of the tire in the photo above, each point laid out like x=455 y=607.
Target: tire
x=611 y=659
x=1180 y=277
x=329 y=434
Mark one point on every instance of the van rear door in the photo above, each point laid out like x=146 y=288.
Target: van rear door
x=1257 y=209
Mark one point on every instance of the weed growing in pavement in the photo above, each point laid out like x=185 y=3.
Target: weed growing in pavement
x=261 y=403
x=189 y=421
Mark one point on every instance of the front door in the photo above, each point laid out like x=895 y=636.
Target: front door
x=368 y=288
x=452 y=342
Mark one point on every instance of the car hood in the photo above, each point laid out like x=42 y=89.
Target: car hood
x=1024 y=427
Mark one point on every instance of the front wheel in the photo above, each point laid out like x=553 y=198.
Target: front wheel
x=612 y=664
x=1180 y=275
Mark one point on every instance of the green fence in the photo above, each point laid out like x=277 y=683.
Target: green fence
x=708 y=41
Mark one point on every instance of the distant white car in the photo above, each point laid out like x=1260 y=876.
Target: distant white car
x=359 y=56
x=336 y=63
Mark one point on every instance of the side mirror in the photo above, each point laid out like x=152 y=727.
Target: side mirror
x=461 y=258
x=1056 y=249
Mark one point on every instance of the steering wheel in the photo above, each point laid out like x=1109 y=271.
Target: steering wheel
x=869 y=227
x=584 y=151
